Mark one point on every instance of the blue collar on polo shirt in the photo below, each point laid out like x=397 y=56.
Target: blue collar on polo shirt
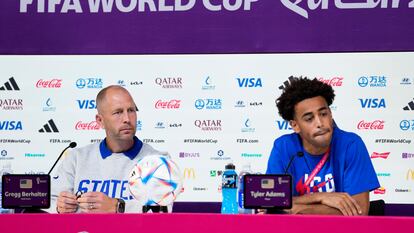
x=131 y=153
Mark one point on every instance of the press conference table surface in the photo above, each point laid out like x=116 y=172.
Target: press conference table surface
x=195 y=223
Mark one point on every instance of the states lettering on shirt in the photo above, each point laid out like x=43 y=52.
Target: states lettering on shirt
x=112 y=188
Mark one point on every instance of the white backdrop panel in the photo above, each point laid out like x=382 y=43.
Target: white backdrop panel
x=245 y=117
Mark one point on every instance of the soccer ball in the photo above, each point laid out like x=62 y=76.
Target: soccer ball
x=155 y=180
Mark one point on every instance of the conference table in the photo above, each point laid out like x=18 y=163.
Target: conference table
x=200 y=223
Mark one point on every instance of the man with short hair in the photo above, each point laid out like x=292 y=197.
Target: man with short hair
x=99 y=172
x=331 y=169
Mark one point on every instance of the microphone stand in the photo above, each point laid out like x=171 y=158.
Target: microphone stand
x=37 y=210
x=71 y=145
x=282 y=211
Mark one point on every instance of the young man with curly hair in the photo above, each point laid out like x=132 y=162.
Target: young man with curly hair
x=331 y=169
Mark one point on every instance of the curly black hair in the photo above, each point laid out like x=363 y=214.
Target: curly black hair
x=300 y=89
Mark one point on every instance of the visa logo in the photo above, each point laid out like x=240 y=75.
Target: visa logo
x=11 y=125
x=372 y=103
x=283 y=125
x=87 y=104
x=249 y=82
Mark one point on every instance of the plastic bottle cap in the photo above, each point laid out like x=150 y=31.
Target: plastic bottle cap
x=246 y=167
x=230 y=166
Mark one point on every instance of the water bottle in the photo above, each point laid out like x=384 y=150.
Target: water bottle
x=5 y=170
x=229 y=190
x=245 y=170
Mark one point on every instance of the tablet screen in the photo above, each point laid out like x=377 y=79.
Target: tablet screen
x=25 y=191
x=267 y=191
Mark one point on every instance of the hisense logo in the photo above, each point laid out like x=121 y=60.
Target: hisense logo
x=34 y=155
x=383 y=174
x=251 y=155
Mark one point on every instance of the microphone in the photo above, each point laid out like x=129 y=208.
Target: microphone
x=71 y=145
x=154 y=209
x=298 y=154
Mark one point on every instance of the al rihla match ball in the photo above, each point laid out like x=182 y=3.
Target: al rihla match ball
x=155 y=180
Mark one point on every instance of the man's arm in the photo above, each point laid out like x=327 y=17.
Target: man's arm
x=314 y=209
x=331 y=203
x=363 y=201
x=62 y=190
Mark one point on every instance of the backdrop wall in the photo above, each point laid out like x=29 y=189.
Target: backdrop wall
x=207 y=110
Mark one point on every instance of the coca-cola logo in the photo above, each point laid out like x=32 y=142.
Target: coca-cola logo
x=54 y=83
x=374 y=125
x=335 y=81
x=93 y=125
x=172 y=104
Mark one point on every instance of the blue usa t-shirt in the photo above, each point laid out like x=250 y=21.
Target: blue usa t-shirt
x=348 y=168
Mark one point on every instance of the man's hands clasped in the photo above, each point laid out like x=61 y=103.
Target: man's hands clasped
x=90 y=202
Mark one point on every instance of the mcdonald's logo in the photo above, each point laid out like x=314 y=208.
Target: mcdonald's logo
x=189 y=173
x=410 y=174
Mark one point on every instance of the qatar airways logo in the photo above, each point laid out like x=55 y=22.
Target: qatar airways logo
x=334 y=82
x=53 y=83
x=208 y=125
x=383 y=155
x=169 y=82
x=11 y=104
x=374 y=125
x=171 y=104
x=93 y=125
